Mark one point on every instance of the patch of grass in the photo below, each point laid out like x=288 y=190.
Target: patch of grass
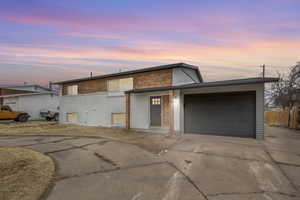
x=24 y=174
x=148 y=141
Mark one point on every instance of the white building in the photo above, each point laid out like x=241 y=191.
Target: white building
x=33 y=103
x=167 y=98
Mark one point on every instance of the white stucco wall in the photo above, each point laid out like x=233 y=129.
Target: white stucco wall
x=140 y=109
x=92 y=109
x=258 y=88
x=176 y=108
x=180 y=76
x=33 y=104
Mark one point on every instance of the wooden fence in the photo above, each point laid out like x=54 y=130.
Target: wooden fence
x=285 y=117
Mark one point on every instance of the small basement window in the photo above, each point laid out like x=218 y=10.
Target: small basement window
x=118 y=119
x=72 y=90
x=72 y=117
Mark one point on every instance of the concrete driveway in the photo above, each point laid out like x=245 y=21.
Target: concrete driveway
x=198 y=167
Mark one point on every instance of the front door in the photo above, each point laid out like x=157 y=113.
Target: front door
x=155 y=111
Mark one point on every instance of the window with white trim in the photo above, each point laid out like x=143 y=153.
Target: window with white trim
x=72 y=90
x=120 y=84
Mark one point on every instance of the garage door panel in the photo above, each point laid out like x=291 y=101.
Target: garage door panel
x=221 y=114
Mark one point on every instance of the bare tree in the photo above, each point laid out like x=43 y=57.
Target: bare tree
x=284 y=92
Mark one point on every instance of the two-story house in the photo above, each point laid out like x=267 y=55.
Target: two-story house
x=167 y=98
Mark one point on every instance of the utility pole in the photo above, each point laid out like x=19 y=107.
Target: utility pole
x=264 y=71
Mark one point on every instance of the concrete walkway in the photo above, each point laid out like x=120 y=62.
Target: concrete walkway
x=198 y=167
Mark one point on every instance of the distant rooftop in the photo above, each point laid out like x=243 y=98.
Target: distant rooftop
x=28 y=94
x=23 y=87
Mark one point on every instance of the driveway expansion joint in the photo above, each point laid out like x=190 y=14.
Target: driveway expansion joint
x=189 y=180
x=288 y=164
x=67 y=149
x=50 y=142
x=85 y=145
x=111 y=170
x=219 y=155
x=247 y=193
x=281 y=170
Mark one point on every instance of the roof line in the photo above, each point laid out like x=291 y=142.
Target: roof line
x=27 y=94
x=13 y=86
x=208 y=84
x=160 y=67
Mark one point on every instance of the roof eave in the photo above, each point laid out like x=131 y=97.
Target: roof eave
x=28 y=94
x=208 y=84
x=161 y=67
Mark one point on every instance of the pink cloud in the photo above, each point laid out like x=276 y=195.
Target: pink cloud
x=249 y=53
x=237 y=61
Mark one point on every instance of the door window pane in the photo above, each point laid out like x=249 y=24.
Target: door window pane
x=155 y=101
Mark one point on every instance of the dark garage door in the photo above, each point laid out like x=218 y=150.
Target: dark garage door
x=230 y=114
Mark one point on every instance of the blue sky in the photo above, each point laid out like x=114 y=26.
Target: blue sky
x=43 y=40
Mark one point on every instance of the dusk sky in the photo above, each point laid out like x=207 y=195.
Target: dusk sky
x=53 y=40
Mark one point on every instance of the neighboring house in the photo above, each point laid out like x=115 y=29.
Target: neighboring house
x=168 y=98
x=32 y=88
x=29 y=98
x=20 y=89
x=33 y=103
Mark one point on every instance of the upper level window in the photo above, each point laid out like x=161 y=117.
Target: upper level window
x=120 y=84
x=73 y=90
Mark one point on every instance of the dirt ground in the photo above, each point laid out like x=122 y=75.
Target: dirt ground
x=152 y=142
x=24 y=174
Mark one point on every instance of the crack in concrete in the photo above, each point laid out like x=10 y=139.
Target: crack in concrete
x=288 y=164
x=39 y=143
x=287 y=152
x=111 y=170
x=188 y=179
x=281 y=170
x=105 y=159
x=85 y=145
x=234 y=193
x=220 y=155
x=67 y=149
x=226 y=142
x=247 y=193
